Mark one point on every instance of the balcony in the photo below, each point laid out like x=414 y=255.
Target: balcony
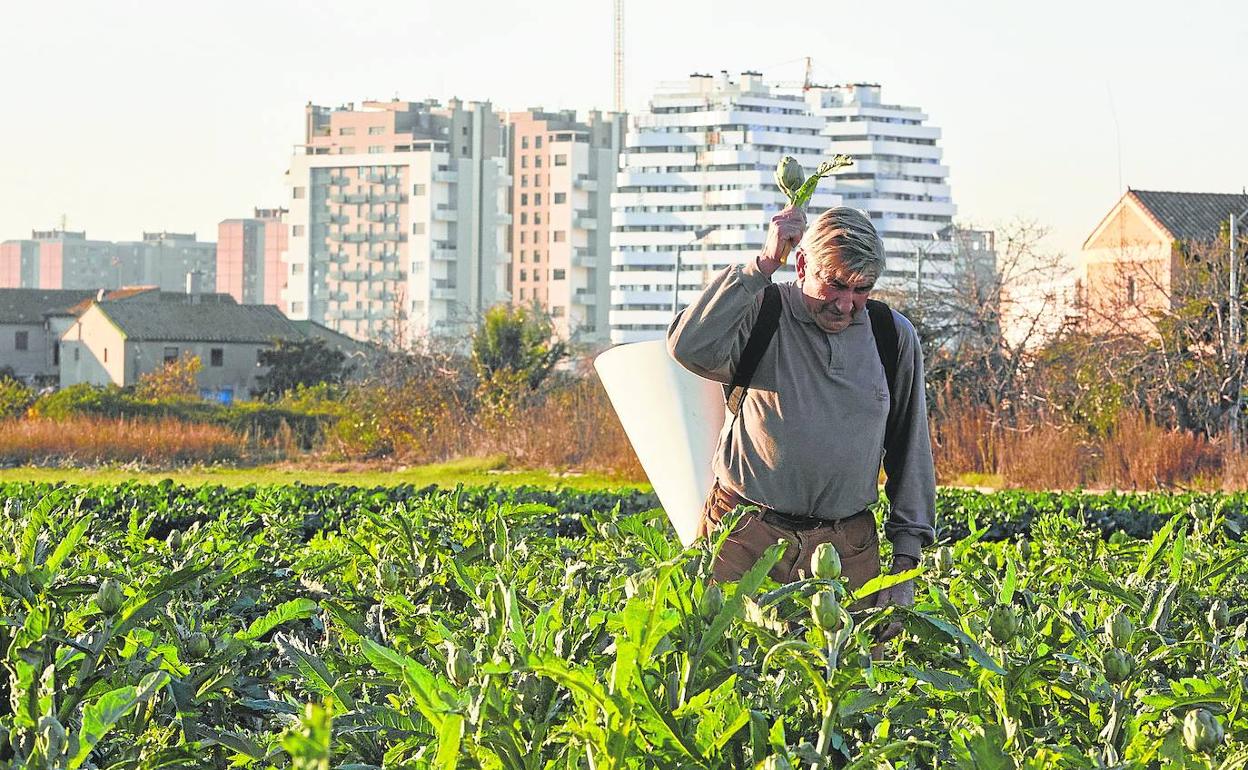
x=383 y=217
x=397 y=236
x=390 y=275
x=503 y=218
x=443 y=255
x=444 y=293
x=336 y=256
x=339 y=181
x=387 y=198
x=354 y=315
x=583 y=222
x=445 y=213
x=379 y=294
x=352 y=275
x=388 y=256
x=585 y=297
x=338 y=219
x=446 y=176
x=582 y=258
x=583 y=182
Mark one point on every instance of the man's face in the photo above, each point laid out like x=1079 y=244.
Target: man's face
x=832 y=304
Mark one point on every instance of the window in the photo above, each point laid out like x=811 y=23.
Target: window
x=537 y=199
x=524 y=237
x=561 y=160
x=300 y=192
x=346 y=150
x=105 y=355
x=376 y=130
x=523 y=254
x=259 y=356
x=560 y=236
x=297 y=268
x=171 y=355
x=537 y=218
x=561 y=198
x=537 y=142
x=524 y=161
x=524 y=143
x=297 y=230
x=524 y=275
x=1131 y=290
x=463 y=150
x=524 y=217
x=558 y=275
x=522 y=291
x=76 y=353
x=463 y=131
x=418 y=228
x=418 y=189
x=296 y=307
x=348 y=131
x=556 y=311
x=524 y=199
x=56 y=354
x=216 y=357
x=376 y=148
x=537 y=180
x=537 y=161
x=537 y=256
x=21 y=340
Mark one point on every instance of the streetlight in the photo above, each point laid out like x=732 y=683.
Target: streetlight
x=1235 y=330
x=698 y=235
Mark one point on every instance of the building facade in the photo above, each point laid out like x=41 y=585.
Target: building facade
x=897 y=179
x=703 y=156
x=1128 y=265
x=563 y=173
x=398 y=219
x=61 y=259
x=249 y=257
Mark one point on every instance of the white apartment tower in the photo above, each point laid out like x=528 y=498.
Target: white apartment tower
x=705 y=154
x=398 y=219
x=897 y=179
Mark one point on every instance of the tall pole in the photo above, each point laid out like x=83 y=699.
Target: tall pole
x=676 y=280
x=1235 y=332
x=619 y=55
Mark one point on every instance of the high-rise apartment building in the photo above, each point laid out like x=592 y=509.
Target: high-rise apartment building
x=249 y=257
x=703 y=156
x=563 y=173
x=398 y=219
x=61 y=259
x=897 y=178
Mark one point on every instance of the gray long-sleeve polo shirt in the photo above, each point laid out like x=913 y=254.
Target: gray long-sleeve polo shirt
x=810 y=433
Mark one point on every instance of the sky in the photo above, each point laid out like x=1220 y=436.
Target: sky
x=134 y=115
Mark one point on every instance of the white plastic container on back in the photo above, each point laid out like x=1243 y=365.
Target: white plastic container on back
x=673 y=419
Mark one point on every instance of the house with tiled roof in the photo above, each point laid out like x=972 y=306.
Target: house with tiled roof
x=117 y=342
x=33 y=320
x=1129 y=263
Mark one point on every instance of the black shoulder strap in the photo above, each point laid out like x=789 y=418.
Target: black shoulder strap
x=884 y=329
x=760 y=337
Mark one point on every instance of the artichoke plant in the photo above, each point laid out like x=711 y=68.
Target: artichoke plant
x=797 y=187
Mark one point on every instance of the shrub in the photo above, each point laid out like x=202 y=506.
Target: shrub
x=15 y=397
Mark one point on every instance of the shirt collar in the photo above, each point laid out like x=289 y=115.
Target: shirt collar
x=801 y=313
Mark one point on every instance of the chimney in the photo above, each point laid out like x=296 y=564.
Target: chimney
x=193 y=279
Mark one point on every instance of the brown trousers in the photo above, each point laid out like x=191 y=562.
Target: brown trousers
x=856 y=539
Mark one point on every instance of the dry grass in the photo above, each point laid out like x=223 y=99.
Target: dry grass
x=86 y=441
x=1141 y=455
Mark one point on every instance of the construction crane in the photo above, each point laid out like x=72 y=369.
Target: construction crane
x=619 y=55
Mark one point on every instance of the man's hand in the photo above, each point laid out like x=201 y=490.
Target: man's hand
x=901 y=594
x=785 y=233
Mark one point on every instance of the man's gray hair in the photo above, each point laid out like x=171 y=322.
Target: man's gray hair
x=843 y=245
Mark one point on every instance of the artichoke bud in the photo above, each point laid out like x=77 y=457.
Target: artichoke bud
x=197 y=645
x=174 y=539
x=776 y=762
x=109 y=597
x=459 y=665
x=826 y=610
x=1201 y=731
x=712 y=602
x=1003 y=624
x=789 y=175
x=1118 y=665
x=1118 y=630
x=825 y=563
x=944 y=560
x=1219 y=614
x=388 y=575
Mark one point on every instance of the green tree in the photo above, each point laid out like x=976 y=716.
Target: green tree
x=514 y=350
x=294 y=363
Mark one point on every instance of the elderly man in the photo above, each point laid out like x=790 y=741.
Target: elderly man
x=805 y=441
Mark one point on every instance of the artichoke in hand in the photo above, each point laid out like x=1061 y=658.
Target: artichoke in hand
x=797 y=187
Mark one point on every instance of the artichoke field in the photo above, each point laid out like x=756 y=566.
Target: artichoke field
x=297 y=627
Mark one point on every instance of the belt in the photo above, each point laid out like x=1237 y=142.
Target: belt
x=790 y=521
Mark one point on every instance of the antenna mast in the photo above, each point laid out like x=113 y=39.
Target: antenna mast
x=619 y=55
